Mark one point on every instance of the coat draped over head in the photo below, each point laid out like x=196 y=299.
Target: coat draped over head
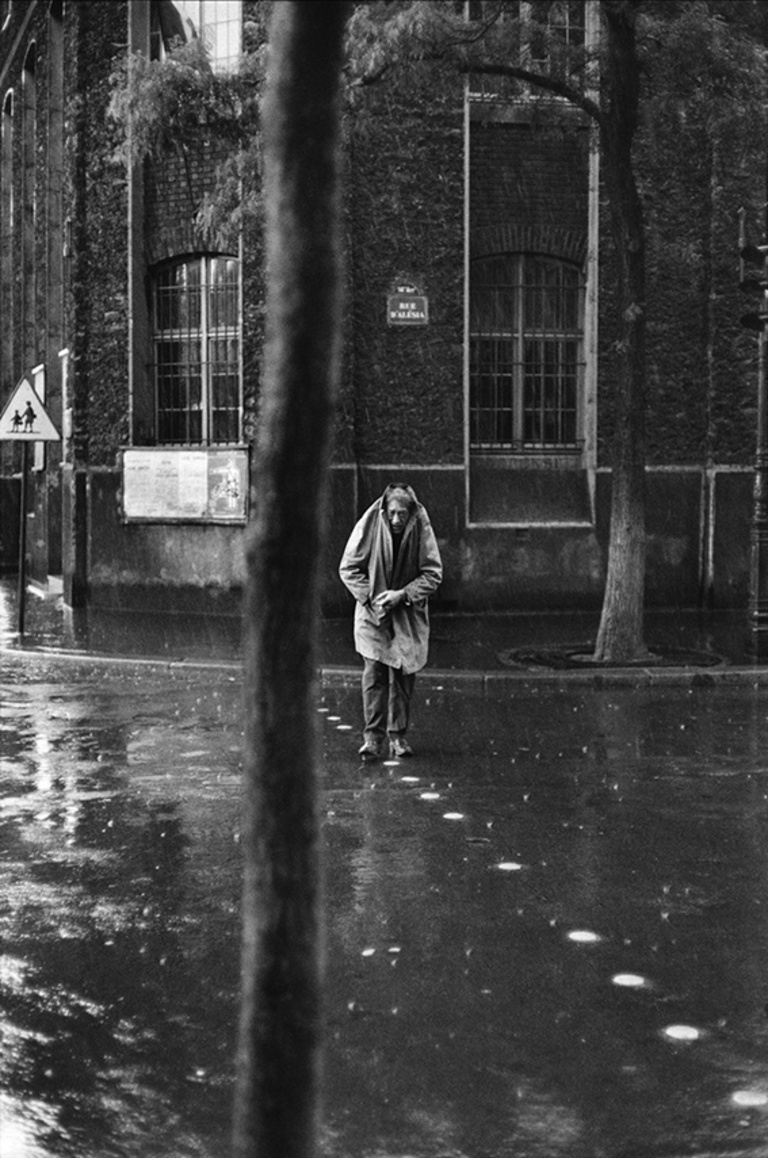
x=370 y=565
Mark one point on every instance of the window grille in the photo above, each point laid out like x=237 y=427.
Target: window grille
x=526 y=354
x=197 y=357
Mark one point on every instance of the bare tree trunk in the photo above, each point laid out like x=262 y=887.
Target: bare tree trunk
x=620 y=637
x=277 y=1091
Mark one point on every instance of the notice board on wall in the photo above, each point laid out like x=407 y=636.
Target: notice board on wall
x=166 y=484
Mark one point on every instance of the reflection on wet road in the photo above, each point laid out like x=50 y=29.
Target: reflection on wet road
x=119 y=800
x=546 y=935
x=550 y=932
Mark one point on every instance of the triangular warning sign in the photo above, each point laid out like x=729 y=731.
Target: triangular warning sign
x=24 y=418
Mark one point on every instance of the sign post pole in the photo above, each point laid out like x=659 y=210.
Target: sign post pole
x=22 y=588
x=24 y=419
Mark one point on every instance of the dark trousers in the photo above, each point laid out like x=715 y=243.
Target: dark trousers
x=387 y=695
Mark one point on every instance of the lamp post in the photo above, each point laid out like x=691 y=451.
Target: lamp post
x=755 y=282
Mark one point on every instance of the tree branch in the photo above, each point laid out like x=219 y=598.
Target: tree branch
x=538 y=80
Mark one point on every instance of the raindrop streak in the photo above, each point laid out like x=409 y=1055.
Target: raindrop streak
x=429 y=796
x=408 y=779
x=391 y=763
x=749 y=1098
x=682 y=1032
x=335 y=719
x=453 y=816
x=584 y=937
x=367 y=952
x=629 y=980
x=343 y=727
x=509 y=866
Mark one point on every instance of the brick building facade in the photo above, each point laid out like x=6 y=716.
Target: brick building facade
x=145 y=334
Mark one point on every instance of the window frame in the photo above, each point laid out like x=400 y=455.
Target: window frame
x=187 y=20
x=197 y=335
x=564 y=20
x=532 y=21
x=521 y=395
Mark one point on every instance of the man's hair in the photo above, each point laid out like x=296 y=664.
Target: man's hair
x=401 y=490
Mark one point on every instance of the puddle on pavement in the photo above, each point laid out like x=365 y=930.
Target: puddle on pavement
x=118 y=921
x=581 y=958
x=562 y=953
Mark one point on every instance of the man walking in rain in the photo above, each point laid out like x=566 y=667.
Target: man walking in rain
x=391 y=564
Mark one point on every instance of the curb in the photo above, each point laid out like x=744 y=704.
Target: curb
x=493 y=682
x=448 y=679
x=82 y=657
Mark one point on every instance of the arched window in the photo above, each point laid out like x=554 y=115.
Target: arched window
x=196 y=329
x=526 y=354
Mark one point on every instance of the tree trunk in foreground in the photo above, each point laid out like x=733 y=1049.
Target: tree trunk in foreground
x=277 y=1089
x=620 y=636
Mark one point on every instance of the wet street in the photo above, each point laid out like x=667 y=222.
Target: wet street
x=546 y=935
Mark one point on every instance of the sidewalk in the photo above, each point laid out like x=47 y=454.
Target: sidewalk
x=483 y=649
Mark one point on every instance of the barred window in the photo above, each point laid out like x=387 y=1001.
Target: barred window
x=196 y=351
x=526 y=354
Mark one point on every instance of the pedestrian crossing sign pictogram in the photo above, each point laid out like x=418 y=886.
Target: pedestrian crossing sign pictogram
x=24 y=419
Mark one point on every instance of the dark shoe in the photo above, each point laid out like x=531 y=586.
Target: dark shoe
x=372 y=750
x=400 y=747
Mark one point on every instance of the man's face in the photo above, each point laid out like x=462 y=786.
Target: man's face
x=397 y=514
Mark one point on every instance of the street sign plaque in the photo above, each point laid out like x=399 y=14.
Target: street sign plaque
x=407 y=309
x=25 y=419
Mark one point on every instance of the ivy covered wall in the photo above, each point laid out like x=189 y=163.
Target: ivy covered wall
x=403 y=396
